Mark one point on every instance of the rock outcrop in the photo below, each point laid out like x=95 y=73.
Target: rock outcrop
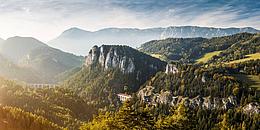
x=125 y=58
x=165 y=97
x=252 y=108
x=110 y=57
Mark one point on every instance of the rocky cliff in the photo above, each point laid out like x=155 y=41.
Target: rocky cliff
x=147 y=95
x=110 y=57
x=165 y=97
x=109 y=68
x=124 y=58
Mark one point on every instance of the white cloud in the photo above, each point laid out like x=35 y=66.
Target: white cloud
x=46 y=19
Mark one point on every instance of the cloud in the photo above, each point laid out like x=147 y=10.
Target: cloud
x=45 y=19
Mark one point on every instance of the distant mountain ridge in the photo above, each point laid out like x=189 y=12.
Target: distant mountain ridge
x=15 y=48
x=78 y=41
x=26 y=53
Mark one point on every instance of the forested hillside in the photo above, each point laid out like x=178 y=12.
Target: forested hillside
x=30 y=60
x=217 y=94
x=12 y=71
x=110 y=70
x=181 y=117
x=16 y=119
x=221 y=92
x=194 y=98
x=189 y=50
x=58 y=105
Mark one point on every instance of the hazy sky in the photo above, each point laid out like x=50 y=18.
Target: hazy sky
x=46 y=19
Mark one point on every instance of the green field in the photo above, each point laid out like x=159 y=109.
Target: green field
x=159 y=56
x=249 y=57
x=207 y=57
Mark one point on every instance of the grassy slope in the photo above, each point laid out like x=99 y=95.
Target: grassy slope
x=254 y=56
x=158 y=56
x=207 y=57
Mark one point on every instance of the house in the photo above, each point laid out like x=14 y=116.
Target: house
x=170 y=68
x=124 y=97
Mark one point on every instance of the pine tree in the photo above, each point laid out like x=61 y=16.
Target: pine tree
x=181 y=119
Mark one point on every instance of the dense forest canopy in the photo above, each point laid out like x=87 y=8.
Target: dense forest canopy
x=190 y=49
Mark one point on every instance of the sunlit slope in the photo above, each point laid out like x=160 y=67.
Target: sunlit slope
x=31 y=54
x=58 y=105
x=12 y=118
x=207 y=57
x=194 y=50
x=254 y=56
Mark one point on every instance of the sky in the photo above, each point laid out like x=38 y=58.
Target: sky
x=46 y=19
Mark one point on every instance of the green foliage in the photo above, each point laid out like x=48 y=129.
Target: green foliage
x=190 y=49
x=58 y=105
x=14 y=118
x=99 y=86
x=181 y=118
x=240 y=50
x=93 y=88
x=126 y=118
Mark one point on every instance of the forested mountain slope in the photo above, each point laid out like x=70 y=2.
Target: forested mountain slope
x=58 y=105
x=199 y=96
x=188 y=50
x=12 y=71
x=12 y=118
x=111 y=68
x=43 y=61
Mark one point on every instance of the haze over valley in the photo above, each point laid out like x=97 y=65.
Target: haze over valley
x=112 y=65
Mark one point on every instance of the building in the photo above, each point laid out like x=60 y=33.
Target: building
x=170 y=68
x=123 y=97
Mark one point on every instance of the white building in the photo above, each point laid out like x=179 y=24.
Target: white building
x=123 y=97
x=170 y=68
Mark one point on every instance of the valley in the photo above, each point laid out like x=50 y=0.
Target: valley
x=129 y=65
x=217 y=76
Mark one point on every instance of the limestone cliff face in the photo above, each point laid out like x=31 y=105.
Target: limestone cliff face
x=252 y=108
x=110 y=57
x=127 y=59
x=165 y=97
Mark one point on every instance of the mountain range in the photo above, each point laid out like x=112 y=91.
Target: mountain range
x=78 y=41
x=42 y=61
x=151 y=90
